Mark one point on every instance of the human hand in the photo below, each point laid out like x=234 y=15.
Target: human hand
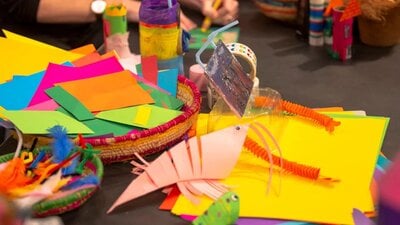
x=186 y=23
x=226 y=13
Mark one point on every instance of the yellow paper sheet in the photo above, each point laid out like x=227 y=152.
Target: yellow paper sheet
x=24 y=56
x=16 y=37
x=349 y=154
x=143 y=115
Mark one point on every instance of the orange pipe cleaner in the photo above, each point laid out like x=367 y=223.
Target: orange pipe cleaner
x=293 y=167
x=300 y=110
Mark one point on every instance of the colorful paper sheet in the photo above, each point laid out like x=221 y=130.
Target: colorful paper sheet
x=70 y=103
x=171 y=199
x=33 y=57
x=389 y=191
x=348 y=154
x=102 y=128
x=37 y=122
x=93 y=58
x=142 y=80
x=59 y=73
x=87 y=59
x=150 y=68
x=49 y=105
x=139 y=70
x=84 y=50
x=17 y=93
x=25 y=40
x=162 y=99
x=157 y=115
x=108 y=92
x=168 y=80
x=198 y=37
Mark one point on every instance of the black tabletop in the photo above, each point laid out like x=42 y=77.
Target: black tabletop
x=302 y=74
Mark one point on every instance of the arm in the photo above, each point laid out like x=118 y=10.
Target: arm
x=223 y=15
x=19 y=10
x=77 y=11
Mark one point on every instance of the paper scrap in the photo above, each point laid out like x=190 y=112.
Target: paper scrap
x=60 y=73
x=33 y=57
x=150 y=68
x=127 y=115
x=142 y=116
x=106 y=92
x=70 y=103
x=37 y=122
x=163 y=99
x=103 y=128
x=168 y=80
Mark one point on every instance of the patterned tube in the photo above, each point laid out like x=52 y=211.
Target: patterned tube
x=342 y=35
x=316 y=22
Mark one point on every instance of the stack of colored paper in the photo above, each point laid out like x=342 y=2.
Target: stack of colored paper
x=42 y=86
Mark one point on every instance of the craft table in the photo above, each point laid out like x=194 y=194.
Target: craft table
x=302 y=74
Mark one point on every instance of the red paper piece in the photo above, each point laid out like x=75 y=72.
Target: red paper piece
x=170 y=200
x=150 y=68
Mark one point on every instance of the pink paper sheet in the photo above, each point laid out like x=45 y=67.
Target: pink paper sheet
x=49 y=105
x=58 y=73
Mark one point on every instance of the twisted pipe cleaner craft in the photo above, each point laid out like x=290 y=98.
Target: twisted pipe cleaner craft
x=300 y=110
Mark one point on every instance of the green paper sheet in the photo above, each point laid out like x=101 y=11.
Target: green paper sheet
x=37 y=122
x=129 y=115
x=139 y=70
x=162 y=99
x=70 y=103
x=103 y=127
x=198 y=38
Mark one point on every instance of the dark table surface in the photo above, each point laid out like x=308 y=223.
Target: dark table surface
x=302 y=74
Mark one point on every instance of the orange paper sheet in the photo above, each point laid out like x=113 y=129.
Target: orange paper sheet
x=87 y=59
x=84 y=50
x=92 y=58
x=348 y=154
x=112 y=91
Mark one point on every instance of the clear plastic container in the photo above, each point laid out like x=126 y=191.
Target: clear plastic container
x=262 y=102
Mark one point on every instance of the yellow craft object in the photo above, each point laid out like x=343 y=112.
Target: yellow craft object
x=160 y=41
x=116 y=10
